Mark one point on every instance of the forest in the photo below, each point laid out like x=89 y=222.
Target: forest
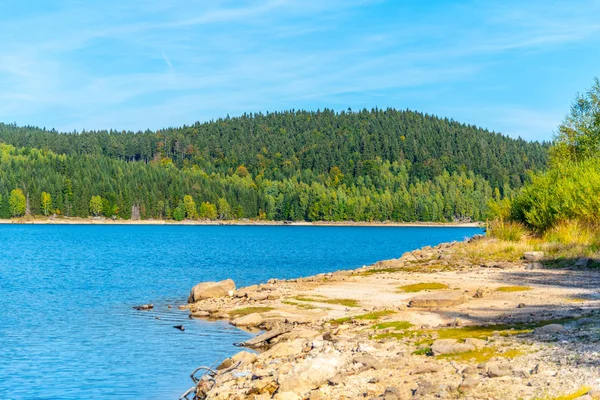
x=370 y=165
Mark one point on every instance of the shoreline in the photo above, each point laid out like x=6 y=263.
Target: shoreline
x=354 y=334
x=108 y=221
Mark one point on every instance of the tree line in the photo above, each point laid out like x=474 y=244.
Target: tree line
x=372 y=165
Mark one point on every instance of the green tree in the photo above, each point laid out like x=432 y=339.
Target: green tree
x=224 y=209
x=17 y=203
x=179 y=212
x=191 y=211
x=96 y=205
x=578 y=136
x=46 y=203
x=208 y=211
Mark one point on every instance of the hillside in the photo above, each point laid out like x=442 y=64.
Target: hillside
x=296 y=165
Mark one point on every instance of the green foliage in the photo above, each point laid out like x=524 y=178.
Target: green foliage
x=578 y=136
x=418 y=287
x=568 y=192
x=376 y=165
x=46 y=203
x=96 y=205
x=189 y=204
x=17 y=202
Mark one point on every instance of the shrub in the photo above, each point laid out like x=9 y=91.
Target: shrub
x=506 y=230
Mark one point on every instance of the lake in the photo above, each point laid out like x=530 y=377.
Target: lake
x=67 y=326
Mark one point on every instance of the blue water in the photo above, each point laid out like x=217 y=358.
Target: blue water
x=67 y=326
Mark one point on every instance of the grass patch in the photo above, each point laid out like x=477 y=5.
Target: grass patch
x=321 y=299
x=510 y=289
x=575 y=300
x=394 y=335
x=506 y=230
x=423 y=351
x=302 y=306
x=417 y=287
x=372 y=316
x=571 y=396
x=380 y=271
x=397 y=325
x=240 y=312
x=482 y=355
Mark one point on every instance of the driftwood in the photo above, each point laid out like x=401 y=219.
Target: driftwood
x=262 y=340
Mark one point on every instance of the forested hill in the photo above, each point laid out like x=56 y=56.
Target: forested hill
x=299 y=165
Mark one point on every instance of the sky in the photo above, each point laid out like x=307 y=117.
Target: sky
x=512 y=66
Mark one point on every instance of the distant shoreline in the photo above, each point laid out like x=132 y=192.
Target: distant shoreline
x=107 y=221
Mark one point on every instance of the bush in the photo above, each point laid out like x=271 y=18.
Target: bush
x=567 y=192
x=506 y=230
x=573 y=232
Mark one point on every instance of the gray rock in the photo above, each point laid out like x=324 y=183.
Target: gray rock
x=437 y=299
x=534 y=255
x=424 y=368
x=496 y=369
x=450 y=346
x=210 y=290
x=549 y=329
x=534 y=265
x=470 y=382
x=521 y=305
x=478 y=343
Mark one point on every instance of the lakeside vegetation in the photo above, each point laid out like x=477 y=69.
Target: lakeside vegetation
x=560 y=205
x=377 y=165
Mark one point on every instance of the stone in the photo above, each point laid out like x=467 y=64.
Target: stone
x=367 y=360
x=521 y=305
x=496 y=369
x=450 y=346
x=200 y=314
x=287 y=396
x=479 y=293
x=478 y=343
x=286 y=349
x=250 y=320
x=534 y=265
x=424 y=369
x=549 y=329
x=470 y=382
x=426 y=389
x=533 y=255
x=266 y=385
x=258 y=296
x=582 y=262
x=437 y=299
x=144 y=307
x=211 y=290
x=391 y=393
x=244 y=357
x=309 y=374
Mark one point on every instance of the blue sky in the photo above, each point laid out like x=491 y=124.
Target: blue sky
x=510 y=66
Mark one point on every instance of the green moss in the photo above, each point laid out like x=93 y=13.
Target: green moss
x=321 y=299
x=417 y=287
x=397 y=325
x=423 y=351
x=509 y=289
x=240 y=312
x=482 y=355
x=375 y=315
x=570 y=396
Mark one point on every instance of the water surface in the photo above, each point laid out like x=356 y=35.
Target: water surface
x=67 y=327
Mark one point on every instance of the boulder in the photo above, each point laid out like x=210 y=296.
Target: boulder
x=309 y=374
x=450 y=346
x=211 y=290
x=549 y=329
x=496 y=369
x=424 y=368
x=244 y=357
x=286 y=349
x=533 y=255
x=470 y=382
x=437 y=299
x=478 y=343
x=251 y=320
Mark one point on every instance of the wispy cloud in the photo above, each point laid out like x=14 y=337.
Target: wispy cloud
x=137 y=65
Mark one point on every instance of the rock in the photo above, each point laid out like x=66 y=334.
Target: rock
x=266 y=385
x=478 y=343
x=534 y=265
x=259 y=296
x=539 y=368
x=521 y=305
x=227 y=363
x=367 y=360
x=533 y=255
x=549 y=329
x=287 y=396
x=496 y=369
x=144 y=307
x=251 y=320
x=391 y=393
x=211 y=290
x=309 y=374
x=450 y=346
x=470 y=382
x=265 y=338
x=437 y=299
x=424 y=369
x=286 y=349
x=180 y=327
x=479 y=294
x=200 y=314
x=244 y=357
x=582 y=262
x=426 y=389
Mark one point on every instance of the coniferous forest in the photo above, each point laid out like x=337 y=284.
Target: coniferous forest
x=375 y=165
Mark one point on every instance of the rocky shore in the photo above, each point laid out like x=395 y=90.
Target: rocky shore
x=435 y=323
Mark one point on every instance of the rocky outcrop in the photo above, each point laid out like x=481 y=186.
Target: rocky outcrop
x=211 y=290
